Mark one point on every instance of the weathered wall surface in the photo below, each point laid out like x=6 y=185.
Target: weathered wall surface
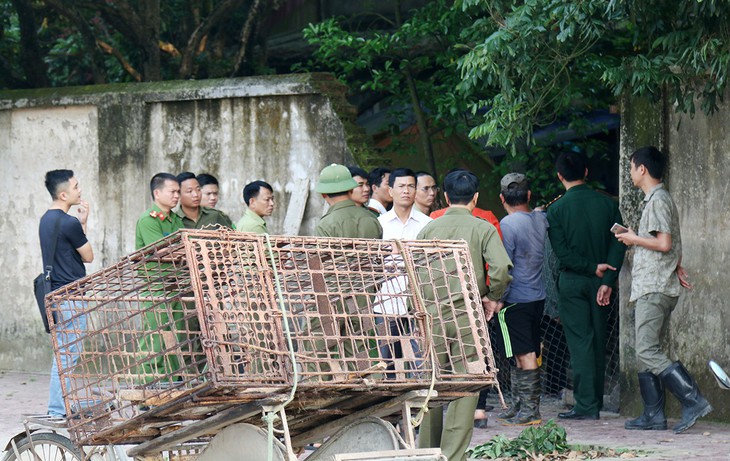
x=697 y=177
x=282 y=129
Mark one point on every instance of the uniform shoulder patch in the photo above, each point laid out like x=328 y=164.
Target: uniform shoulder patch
x=553 y=201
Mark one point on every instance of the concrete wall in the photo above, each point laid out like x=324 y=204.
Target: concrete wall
x=282 y=129
x=699 y=165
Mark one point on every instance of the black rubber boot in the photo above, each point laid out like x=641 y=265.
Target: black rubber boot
x=530 y=393
x=679 y=382
x=515 y=407
x=652 y=393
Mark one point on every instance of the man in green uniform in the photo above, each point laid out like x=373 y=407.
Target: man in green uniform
x=192 y=214
x=259 y=199
x=157 y=222
x=485 y=246
x=590 y=258
x=344 y=218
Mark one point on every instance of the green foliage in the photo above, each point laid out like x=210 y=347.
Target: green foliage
x=683 y=46
x=383 y=58
x=550 y=59
x=547 y=439
x=495 y=87
x=10 y=42
x=542 y=57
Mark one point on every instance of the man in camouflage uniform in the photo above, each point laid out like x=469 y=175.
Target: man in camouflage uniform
x=656 y=281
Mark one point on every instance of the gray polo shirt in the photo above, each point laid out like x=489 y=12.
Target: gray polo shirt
x=654 y=271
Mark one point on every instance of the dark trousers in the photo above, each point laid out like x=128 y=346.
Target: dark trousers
x=397 y=326
x=584 y=323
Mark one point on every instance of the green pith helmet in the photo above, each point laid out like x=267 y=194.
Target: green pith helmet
x=335 y=178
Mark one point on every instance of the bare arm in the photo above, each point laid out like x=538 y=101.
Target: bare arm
x=683 y=276
x=86 y=252
x=661 y=242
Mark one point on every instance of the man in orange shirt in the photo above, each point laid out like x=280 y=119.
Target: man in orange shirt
x=478 y=212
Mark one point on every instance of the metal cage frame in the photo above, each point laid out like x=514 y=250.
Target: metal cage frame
x=205 y=322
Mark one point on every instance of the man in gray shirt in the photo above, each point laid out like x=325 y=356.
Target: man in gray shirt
x=657 y=278
x=523 y=235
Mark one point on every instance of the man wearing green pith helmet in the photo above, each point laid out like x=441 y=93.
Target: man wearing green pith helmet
x=344 y=218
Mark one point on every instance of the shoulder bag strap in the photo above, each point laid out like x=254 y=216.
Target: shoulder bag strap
x=49 y=266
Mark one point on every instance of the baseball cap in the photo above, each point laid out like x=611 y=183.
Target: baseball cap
x=512 y=178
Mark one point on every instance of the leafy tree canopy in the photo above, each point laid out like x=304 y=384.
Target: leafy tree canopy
x=500 y=69
x=547 y=58
x=409 y=64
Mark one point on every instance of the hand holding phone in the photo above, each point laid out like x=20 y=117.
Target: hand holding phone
x=618 y=228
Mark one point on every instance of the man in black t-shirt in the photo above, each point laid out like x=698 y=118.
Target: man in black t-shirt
x=72 y=251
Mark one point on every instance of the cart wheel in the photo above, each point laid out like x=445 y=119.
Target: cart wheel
x=47 y=446
x=242 y=442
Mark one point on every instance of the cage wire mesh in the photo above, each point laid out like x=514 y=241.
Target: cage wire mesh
x=555 y=360
x=202 y=320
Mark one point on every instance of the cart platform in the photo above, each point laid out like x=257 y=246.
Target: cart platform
x=207 y=328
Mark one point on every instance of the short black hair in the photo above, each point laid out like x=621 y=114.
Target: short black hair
x=571 y=166
x=184 y=176
x=205 y=179
x=653 y=160
x=56 y=178
x=400 y=173
x=357 y=171
x=461 y=185
x=158 y=181
x=424 y=173
x=376 y=176
x=516 y=193
x=252 y=190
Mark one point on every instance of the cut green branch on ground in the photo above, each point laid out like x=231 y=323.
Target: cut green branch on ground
x=546 y=442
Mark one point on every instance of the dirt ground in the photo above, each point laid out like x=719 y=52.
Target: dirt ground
x=23 y=393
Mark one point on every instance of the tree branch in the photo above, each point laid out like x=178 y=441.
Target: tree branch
x=140 y=28
x=221 y=13
x=108 y=49
x=245 y=35
x=87 y=35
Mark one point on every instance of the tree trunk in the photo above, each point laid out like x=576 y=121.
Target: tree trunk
x=421 y=121
x=220 y=14
x=36 y=71
x=149 y=10
x=245 y=35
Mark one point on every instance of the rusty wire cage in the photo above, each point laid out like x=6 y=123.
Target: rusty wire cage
x=204 y=320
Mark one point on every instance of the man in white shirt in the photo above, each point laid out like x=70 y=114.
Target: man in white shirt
x=403 y=221
x=380 y=199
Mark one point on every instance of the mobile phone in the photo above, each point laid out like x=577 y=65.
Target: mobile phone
x=618 y=228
